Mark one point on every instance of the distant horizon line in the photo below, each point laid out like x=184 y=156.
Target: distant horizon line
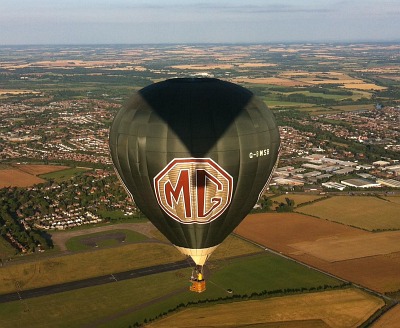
x=204 y=43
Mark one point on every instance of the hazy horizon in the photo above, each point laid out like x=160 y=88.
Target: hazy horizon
x=90 y=22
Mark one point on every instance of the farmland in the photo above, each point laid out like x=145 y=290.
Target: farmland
x=17 y=178
x=369 y=213
x=85 y=265
x=109 y=256
x=80 y=307
x=38 y=169
x=158 y=292
x=334 y=249
x=25 y=175
x=57 y=105
x=370 y=259
x=344 y=308
x=391 y=319
x=64 y=175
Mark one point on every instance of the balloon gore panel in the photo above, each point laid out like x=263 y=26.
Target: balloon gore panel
x=194 y=154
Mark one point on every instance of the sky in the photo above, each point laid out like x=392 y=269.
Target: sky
x=197 y=21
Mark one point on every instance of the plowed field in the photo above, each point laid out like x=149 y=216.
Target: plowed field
x=37 y=169
x=389 y=319
x=370 y=259
x=17 y=178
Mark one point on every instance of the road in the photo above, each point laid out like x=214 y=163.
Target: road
x=24 y=294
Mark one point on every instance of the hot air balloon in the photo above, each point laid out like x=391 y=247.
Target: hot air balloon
x=195 y=154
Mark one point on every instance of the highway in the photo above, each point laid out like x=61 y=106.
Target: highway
x=24 y=294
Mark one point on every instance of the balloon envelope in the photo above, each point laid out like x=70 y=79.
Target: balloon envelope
x=195 y=154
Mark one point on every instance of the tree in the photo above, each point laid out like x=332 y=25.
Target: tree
x=286 y=207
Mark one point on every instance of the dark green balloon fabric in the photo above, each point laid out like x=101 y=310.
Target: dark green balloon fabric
x=195 y=118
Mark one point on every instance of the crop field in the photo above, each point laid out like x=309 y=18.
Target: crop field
x=203 y=67
x=286 y=104
x=233 y=246
x=334 y=249
x=270 y=80
x=369 y=213
x=266 y=272
x=104 y=239
x=16 y=92
x=285 y=232
x=393 y=199
x=344 y=308
x=326 y=78
x=17 y=178
x=64 y=175
x=356 y=95
x=380 y=273
x=37 y=169
x=389 y=319
x=279 y=230
x=85 y=265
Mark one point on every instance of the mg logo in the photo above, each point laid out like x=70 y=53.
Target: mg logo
x=193 y=190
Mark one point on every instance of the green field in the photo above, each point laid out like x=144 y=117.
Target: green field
x=104 y=239
x=114 y=305
x=64 y=175
x=286 y=104
x=81 y=307
x=244 y=276
x=368 y=213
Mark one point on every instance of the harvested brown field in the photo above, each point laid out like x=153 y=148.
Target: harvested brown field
x=369 y=213
x=281 y=232
x=16 y=92
x=341 y=308
x=37 y=169
x=203 y=67
x=380 y=273
x=334 y=249
x=343 y=79
x=393 y=199
x=363 y=86
x=389 y=319
x=253 y=65
x=17 y=178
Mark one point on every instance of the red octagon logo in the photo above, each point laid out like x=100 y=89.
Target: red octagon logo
x=193 y=190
